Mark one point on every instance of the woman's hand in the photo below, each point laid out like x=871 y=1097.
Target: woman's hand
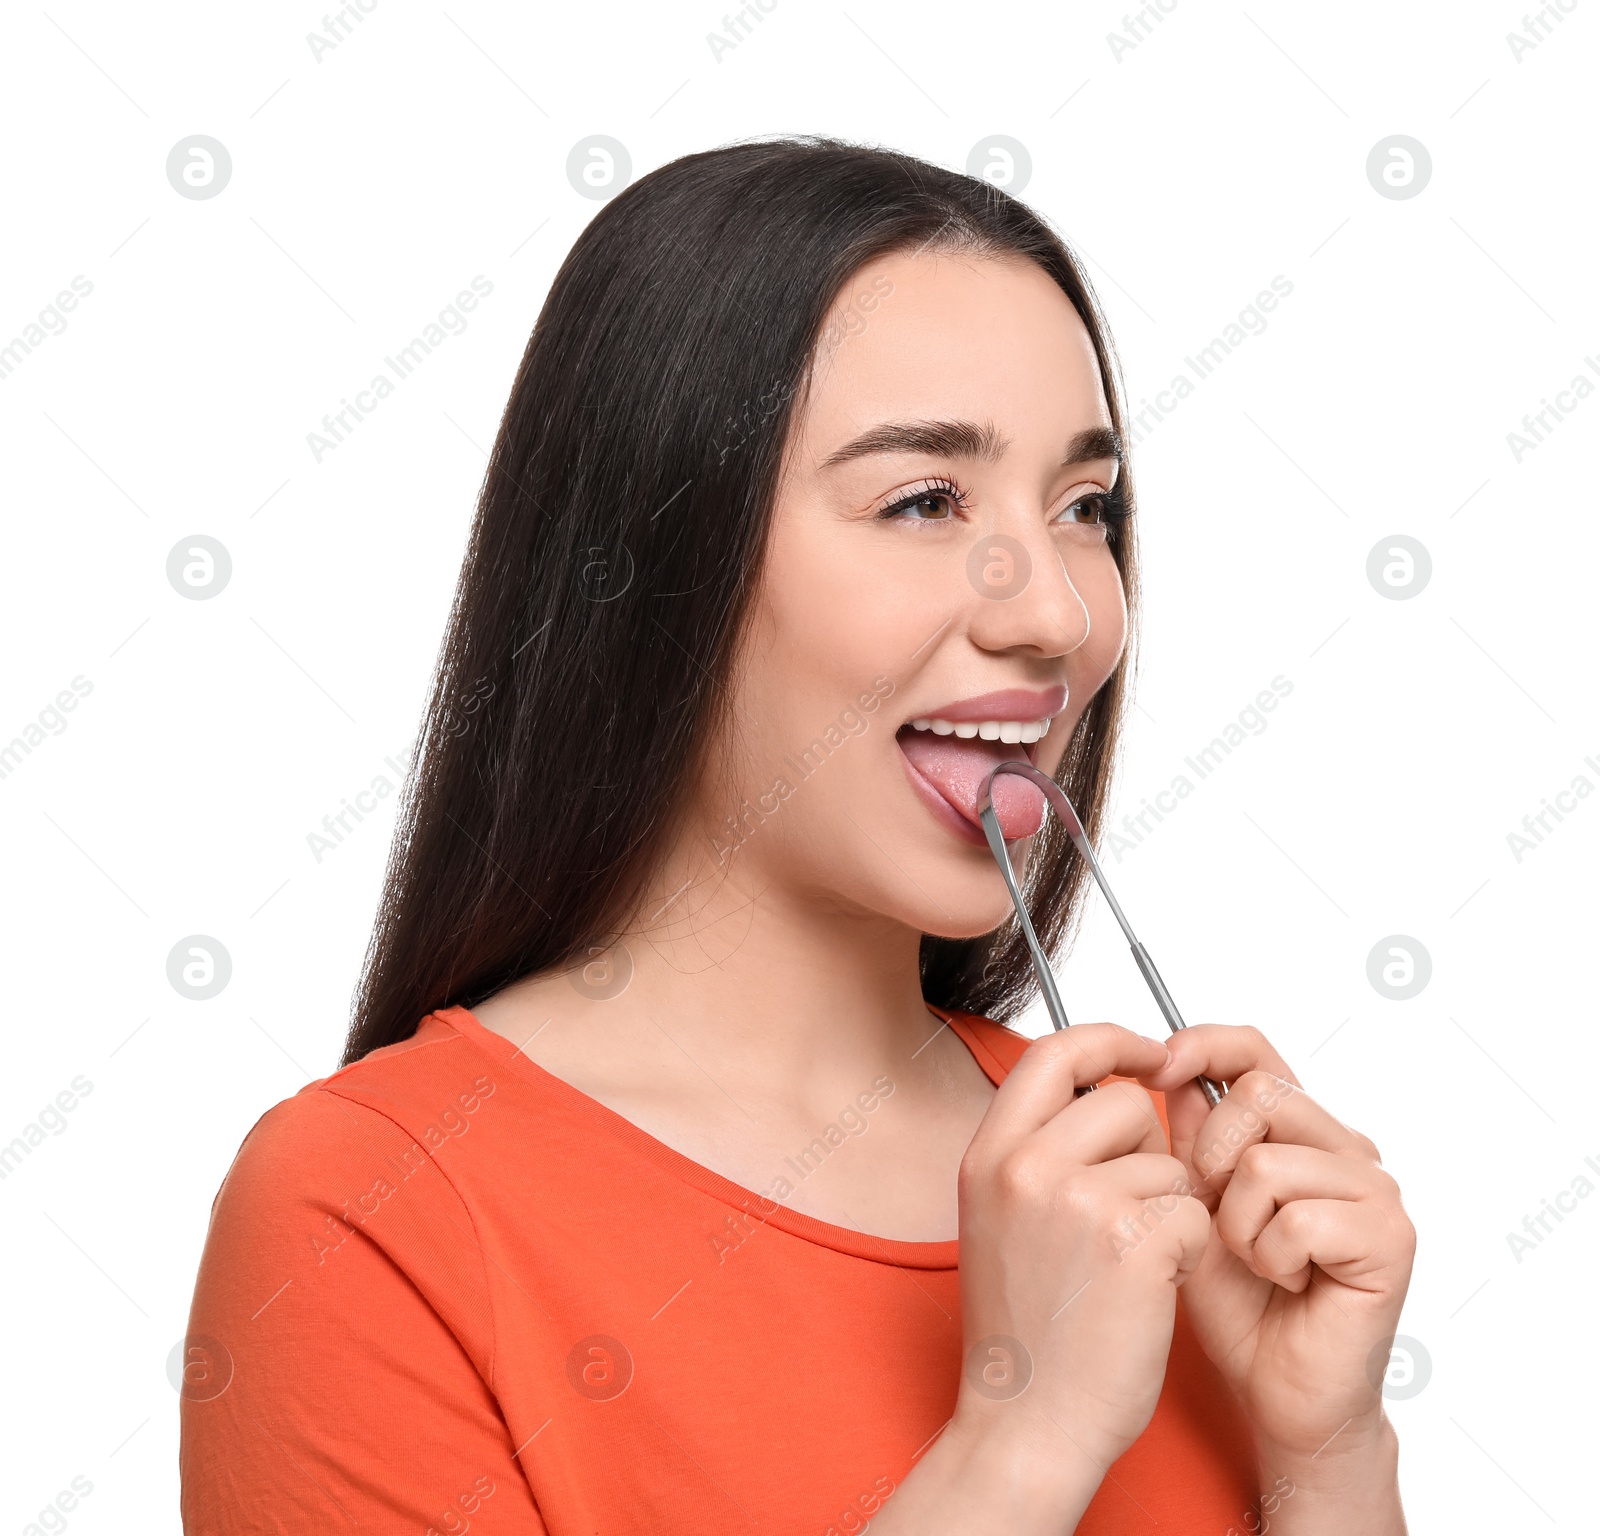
x=1297 y=1296
x=1066 y=1325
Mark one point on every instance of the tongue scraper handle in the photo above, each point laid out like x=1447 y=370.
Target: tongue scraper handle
x=1047 y=982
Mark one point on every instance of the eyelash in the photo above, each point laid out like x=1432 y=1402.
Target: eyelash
x=1113 y=512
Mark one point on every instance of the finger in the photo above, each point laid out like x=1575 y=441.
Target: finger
x=1236 y=1048
x=1117 y=1120
x=1145 y=1176
x=1160 y=1207
x=1270 y=1177
x=1167 y=1210
x=1345 y=1238
x=1262 y=1105
x=1221 y=1052
x=1045 y=1078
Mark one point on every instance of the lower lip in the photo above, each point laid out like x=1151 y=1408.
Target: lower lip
x=941 y=809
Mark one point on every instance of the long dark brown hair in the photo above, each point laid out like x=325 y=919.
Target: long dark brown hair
x=617 y=544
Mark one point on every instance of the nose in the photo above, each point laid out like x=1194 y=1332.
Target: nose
x=1023 y=593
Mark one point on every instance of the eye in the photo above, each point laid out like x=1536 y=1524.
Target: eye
x=1094 y=509
x=933 y=501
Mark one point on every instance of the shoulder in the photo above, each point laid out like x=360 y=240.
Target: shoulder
x=337 y=1123
x=349 y=1152
x=1004 y=1047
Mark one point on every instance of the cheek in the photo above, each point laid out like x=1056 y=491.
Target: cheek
x=1101 y=590
x=831 y=623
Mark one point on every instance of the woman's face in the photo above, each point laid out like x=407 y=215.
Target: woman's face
x=938 y=566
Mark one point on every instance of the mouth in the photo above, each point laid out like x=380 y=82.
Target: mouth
x=950 y=751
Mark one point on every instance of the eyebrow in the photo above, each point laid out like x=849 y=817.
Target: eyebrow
x=965 y=440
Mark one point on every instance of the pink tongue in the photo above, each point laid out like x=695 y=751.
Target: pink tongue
x=957 y=769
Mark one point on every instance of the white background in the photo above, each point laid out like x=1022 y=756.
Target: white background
x=370 y=186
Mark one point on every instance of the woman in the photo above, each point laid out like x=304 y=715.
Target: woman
x=677 y=1099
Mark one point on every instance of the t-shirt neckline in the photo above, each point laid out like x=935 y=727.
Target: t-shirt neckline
x=756 y=1207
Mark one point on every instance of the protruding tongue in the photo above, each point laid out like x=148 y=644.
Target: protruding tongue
x=957 y=769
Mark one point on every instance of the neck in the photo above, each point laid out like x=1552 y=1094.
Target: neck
x=783 y=986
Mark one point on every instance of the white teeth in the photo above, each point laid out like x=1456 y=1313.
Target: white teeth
x=989 y=730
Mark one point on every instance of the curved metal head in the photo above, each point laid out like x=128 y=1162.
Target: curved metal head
x=1062 y=806
x=1053 y=792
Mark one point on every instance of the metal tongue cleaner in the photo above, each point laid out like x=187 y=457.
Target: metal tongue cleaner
x=1056 y=796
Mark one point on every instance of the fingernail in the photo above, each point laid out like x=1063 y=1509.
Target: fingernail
x=1161 y=1044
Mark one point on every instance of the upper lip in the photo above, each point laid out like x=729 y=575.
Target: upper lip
x=1022 y=704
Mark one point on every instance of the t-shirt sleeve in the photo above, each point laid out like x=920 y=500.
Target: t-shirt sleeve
x=339 y=1364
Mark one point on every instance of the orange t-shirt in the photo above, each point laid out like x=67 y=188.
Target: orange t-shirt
x=443 y=1290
